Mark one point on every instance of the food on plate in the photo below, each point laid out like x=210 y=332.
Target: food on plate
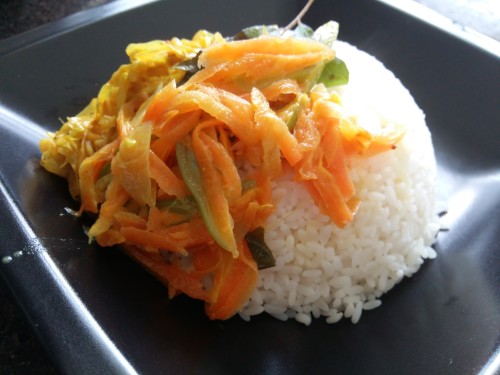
x=277 y=171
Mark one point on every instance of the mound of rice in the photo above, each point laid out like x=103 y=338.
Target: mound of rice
x=322 y=270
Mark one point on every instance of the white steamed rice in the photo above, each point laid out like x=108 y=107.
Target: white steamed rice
x=322 y=270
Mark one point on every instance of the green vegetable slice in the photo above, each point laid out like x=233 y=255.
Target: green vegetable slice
x=290 y=113
x=191 y=174
x=334 y=73
x=185 y=206
x=327 y=33
x=260 y=251
x=303 y=31
x=189 y=66
x=256 y=31
x=309 y=76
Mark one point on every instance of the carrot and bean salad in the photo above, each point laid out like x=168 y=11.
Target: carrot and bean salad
x=177 y=153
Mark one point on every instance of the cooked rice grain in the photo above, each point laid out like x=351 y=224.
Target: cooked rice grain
x=322 y=270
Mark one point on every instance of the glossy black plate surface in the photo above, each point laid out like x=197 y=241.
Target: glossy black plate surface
x=98 y=312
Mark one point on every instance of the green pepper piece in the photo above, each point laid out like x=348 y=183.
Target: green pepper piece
x=191 y=173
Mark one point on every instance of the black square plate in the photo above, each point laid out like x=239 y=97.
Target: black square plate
x=96 y=311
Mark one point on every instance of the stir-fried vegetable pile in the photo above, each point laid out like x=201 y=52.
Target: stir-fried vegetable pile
x=177 y=153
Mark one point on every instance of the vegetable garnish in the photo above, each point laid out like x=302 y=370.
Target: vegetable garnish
x=177 y=153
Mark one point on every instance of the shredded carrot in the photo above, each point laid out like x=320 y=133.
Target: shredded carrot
x=331 y=143
x=166 y=179
x=212 y=186
x=231 y=181
x=188 y=283
x=225 y=141
x=306 y=132
x=225 y=107
x=160 y=104
x=174 y=130
x=126 y=115
x=187 y=235
x=234 y=282
x=88 y=174
x=206 y=259
x=280 y=90
x=151 y=241
x=129 y=219
x=267 y=46
x=330 y=198
x=116 y=197
x=154 y=222
x=110 y=238
x=130 y=166
x=271 y=126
